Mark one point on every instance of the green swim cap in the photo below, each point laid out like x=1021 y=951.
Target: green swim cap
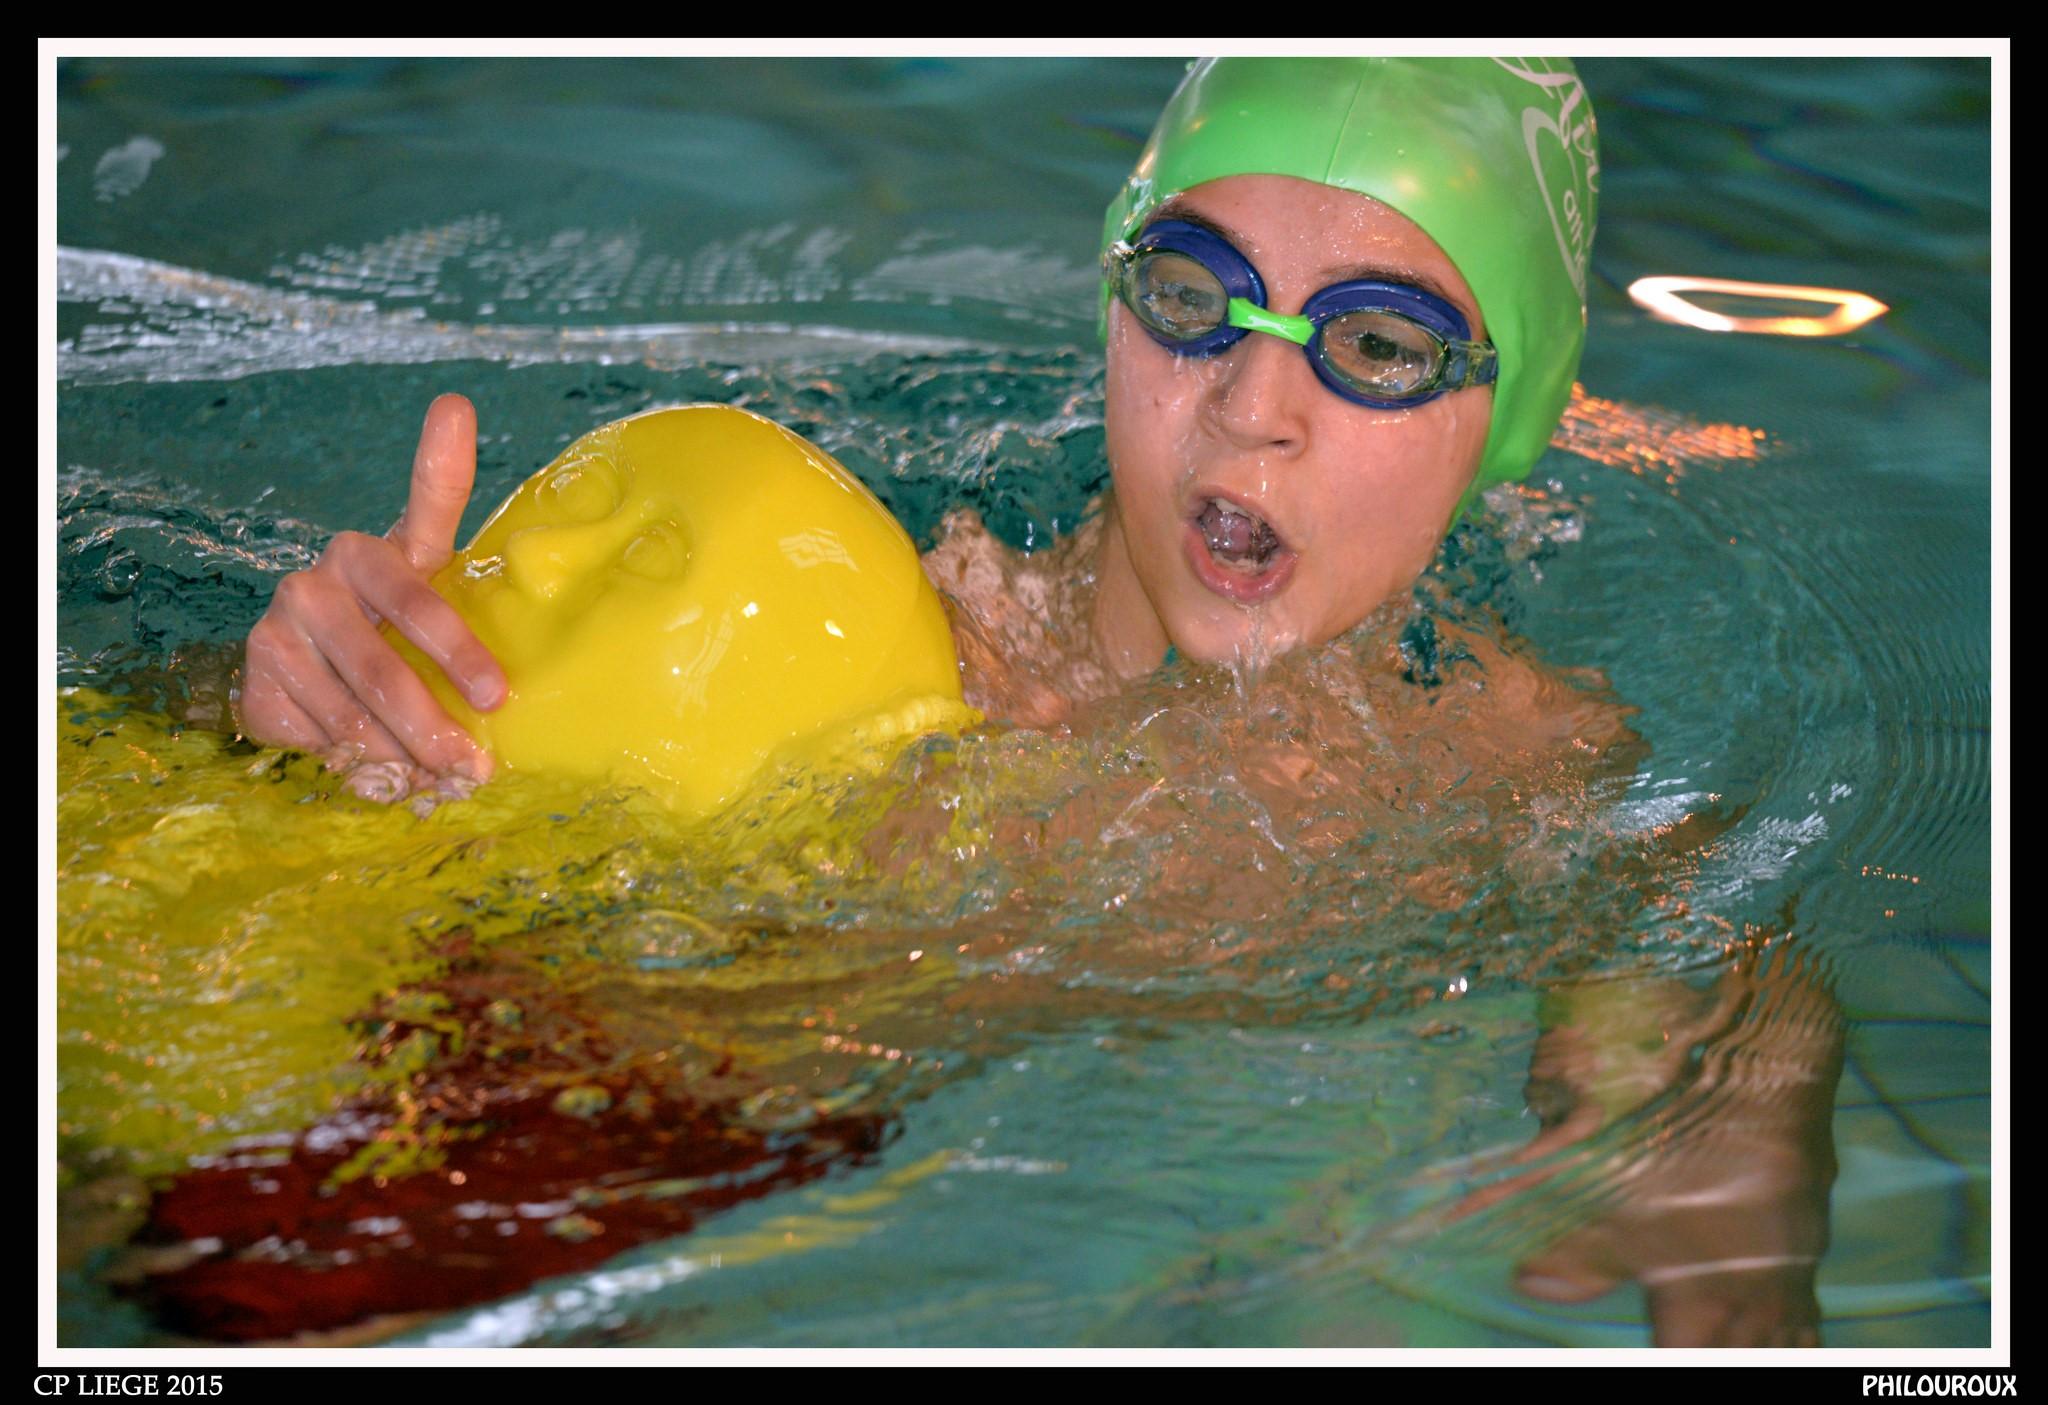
x=1495 y=159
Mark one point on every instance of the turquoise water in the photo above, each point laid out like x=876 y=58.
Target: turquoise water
x=267 y=270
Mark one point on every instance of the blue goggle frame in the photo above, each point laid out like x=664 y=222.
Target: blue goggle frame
x=1461 y=362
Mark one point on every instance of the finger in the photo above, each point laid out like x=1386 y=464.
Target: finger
x=284 y=671
x=378 y=574
x=386 y=782
x=1688 y=1314
x=1584 y=1121
x=282 y=650
x=1488 y=1196
x=443 y=472
x=383 y=683
x=1738 y=1308
x=1577 y=1269
x=1785 y=1314
x=272 y=717
x=352 y=733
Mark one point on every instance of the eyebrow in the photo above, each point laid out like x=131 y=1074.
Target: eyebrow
x=1175 y=209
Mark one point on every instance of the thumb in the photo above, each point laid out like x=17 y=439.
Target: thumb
x=443 y=471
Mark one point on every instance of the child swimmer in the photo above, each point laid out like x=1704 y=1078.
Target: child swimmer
x=1341 y=296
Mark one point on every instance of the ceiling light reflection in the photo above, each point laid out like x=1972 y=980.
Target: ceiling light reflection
x=1663 y=298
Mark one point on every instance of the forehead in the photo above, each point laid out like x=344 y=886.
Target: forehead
x=1303 y=237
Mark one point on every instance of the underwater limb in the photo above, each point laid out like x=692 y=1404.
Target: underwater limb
x=1687 y=1146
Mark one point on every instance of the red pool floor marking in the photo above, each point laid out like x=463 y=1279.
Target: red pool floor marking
x=285 y=1250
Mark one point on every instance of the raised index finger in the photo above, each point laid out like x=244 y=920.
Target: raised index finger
x=443 y=471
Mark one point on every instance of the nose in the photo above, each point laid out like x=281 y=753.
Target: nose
x=1262 y=396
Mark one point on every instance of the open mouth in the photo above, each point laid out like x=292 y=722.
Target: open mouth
x=1236 y=553
x=1237 y=537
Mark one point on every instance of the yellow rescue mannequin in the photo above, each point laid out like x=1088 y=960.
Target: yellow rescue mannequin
x=690 y=599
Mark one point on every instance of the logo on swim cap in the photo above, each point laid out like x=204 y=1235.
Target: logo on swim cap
x=1558 y=131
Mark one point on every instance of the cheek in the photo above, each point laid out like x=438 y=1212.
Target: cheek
x=1152 y=404
x=1383 y=512
x=1468 y=415
x=1134 y=419
x=1421 y=469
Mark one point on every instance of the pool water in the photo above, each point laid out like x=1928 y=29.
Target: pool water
x=1089 y=1037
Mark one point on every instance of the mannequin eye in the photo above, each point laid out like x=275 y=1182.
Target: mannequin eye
x=581 y=490
x=657 y=554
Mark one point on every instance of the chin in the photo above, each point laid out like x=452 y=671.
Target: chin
x=1243 y=638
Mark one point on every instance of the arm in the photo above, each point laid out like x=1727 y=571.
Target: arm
x=1686 y=1132
x=1727 y=1229
x=1704 y=1120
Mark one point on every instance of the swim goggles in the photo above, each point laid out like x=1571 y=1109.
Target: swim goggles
x=1386 y=345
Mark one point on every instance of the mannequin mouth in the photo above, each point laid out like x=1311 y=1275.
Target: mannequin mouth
x=1237 y=553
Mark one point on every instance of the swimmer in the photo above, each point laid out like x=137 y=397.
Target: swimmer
x=1340 y=299
x=1306 y=384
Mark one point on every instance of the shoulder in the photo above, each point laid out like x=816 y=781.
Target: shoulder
x=1014 y=616
x=1532 y=705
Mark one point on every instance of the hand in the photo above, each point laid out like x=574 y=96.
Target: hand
x=1697 y=1130
x=320 y=676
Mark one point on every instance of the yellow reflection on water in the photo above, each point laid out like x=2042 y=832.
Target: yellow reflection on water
x=1649 y=441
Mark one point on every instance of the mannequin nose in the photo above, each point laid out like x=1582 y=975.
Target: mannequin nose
x=551 y=559
x=1263 y=395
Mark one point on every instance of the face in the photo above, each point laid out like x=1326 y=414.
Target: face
x=1211 y=455
x=687 y=593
